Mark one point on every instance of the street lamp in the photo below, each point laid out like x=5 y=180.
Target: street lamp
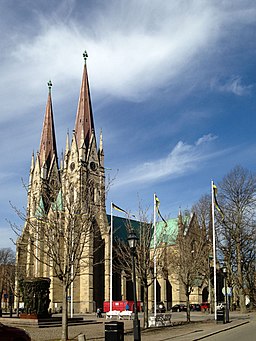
x=224 y=269
x=132 y=240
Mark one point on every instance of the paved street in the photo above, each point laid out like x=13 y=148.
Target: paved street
x=246 y=332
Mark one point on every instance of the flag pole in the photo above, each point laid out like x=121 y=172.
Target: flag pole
x=155 y=254
x=111 y=260
x=72 y=273
x=214 y=256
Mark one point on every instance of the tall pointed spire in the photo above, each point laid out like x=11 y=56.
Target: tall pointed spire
x=48 y=141
x=84 y=117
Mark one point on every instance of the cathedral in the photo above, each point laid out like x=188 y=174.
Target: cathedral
x=54 y=186
x=50 y=182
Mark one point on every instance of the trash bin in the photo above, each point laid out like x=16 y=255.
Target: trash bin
x=114 y=331
x=221 y=315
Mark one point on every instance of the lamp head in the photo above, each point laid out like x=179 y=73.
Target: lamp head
x=132 y=240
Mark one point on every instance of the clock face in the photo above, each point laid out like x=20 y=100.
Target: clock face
x=93 y=166
x=72 y=166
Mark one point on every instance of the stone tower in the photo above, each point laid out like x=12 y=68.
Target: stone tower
x=81 y=164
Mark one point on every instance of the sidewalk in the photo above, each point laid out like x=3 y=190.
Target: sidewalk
x=201 y=326
x=189 y=332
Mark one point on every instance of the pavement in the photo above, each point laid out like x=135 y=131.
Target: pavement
x=202 y=326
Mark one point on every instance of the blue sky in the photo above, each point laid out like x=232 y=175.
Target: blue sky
x=172 y=86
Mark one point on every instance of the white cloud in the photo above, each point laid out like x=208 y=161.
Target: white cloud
x=133 y=50
x=206 y=138
x=233 y=85
x=182 y=159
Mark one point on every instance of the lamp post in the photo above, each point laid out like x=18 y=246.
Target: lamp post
x=132 y=240
x=224 y=269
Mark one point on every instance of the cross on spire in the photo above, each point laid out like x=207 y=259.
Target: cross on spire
x=85 y=55
x=49 y=85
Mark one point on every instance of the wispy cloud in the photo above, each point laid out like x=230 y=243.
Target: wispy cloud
x=139 y=47
x=205 y=139
x=182 y=159
x=233 y=85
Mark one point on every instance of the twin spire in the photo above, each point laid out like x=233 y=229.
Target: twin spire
x=84 y=125
x=48 y=148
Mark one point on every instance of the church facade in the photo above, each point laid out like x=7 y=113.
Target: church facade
x=50 y=180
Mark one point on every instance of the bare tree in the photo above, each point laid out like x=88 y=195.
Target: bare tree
x=61 y=240
x=203 y=211
x=7 y=274
x=145 y=254
x=250 y=276
x=189 y=257
x=236 y=234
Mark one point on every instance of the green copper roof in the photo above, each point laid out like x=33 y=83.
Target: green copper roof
x=120 y=226
x=166 y=234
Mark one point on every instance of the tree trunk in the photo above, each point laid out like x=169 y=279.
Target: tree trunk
x=188 y=308
x=242 y=301
x=64 y=313
x=18 y=303
x=145 y=306
x=240 y=279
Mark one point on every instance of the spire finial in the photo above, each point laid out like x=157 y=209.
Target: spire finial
x=49 y=85
x=85 y=55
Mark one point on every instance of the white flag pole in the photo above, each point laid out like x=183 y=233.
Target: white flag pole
x=111 y=261
x=72 y=284
x=72 y=275
x=214 y=256
x=155 y=281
